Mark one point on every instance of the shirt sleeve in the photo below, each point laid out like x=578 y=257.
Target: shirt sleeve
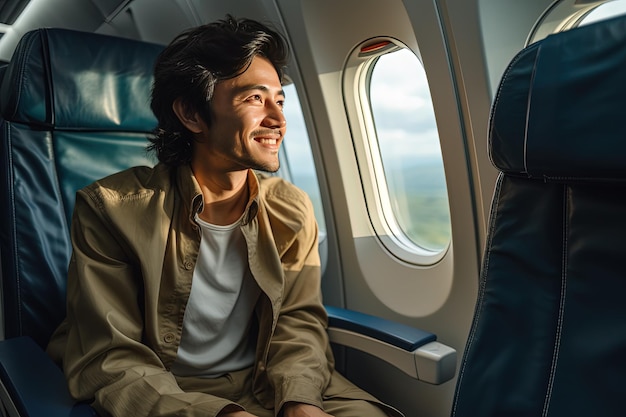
x=300 y=362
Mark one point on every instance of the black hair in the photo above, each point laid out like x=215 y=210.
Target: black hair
x=190 y=66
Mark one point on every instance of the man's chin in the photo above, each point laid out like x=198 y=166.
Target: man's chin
x=271 y=169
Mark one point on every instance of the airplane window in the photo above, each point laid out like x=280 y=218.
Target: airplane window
x=566 y=15
x=299 y=158
x=408 y=145
x=605 y=11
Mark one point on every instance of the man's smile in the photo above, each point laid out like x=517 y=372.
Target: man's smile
x=267 y=137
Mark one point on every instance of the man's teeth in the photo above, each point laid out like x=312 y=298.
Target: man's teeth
x=268 y=141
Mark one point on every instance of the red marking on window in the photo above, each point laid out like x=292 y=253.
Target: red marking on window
x=374 y=47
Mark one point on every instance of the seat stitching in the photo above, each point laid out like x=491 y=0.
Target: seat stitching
x=528 y=109
x=559 y=329
x=16 y=237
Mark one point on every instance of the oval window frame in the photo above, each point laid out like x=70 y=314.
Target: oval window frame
x=356 y=80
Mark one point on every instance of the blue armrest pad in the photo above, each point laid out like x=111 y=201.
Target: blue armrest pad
x=35 y=383
x=397 y=334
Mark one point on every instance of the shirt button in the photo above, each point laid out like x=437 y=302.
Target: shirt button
x=188 y=265
x=261 y=367
x=169 y=337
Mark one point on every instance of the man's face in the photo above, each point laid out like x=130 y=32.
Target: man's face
x=248 y=124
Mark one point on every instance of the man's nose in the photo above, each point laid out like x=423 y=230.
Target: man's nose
x=275 y=117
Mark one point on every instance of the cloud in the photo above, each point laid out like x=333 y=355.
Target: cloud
x=402 y=107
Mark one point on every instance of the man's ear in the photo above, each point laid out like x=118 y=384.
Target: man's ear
x=189 y=118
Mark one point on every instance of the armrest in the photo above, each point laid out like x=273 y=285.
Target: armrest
x=415 y=352
x=32 y=385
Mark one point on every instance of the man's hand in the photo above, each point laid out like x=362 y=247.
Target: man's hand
x=293 y=409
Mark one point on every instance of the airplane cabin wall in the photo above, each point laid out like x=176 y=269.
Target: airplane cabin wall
x=439 y=298
x=81 y=15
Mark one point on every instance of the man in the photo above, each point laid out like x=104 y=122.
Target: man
x=248 y=337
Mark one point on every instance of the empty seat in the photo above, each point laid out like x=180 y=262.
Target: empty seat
x=549 y=332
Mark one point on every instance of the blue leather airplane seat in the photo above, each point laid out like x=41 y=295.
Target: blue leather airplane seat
x=3 y=69
x=549 y=332
x=67 y=98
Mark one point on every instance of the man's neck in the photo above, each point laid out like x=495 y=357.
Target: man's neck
x=225 y=196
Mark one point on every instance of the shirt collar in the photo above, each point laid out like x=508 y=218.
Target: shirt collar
x=192 y=194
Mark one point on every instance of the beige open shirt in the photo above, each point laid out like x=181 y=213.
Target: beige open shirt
x=135 y=245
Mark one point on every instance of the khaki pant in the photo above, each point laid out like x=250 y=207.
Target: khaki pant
x=237 y=387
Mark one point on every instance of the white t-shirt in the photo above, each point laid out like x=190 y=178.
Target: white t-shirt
x=217 y=336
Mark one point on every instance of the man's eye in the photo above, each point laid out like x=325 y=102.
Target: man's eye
x=256 y=97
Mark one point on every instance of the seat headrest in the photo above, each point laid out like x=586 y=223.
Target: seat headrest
x=560 y=110
x=74 y=80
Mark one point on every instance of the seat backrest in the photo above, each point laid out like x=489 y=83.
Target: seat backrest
x=549 y=331
x=75 y=108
